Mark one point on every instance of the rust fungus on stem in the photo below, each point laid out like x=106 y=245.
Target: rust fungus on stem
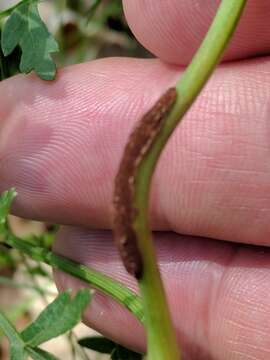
x=140 y=142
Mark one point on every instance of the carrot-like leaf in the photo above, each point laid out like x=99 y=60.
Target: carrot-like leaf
x=25 y=28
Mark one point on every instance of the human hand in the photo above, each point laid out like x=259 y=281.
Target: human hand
x=61 y=143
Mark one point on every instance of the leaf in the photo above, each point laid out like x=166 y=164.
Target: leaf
x=58 y=318
x=106 y=346
x=25 y=28
x=17 y=350
x=121 y=353
x=39 y=354
x=9 y=65
x=98 y=343
x=72 y=310
x=5 y=203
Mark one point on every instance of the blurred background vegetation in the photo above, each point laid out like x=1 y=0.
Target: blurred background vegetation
x=86 y=30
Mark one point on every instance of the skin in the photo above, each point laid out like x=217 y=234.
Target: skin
x=61 y=144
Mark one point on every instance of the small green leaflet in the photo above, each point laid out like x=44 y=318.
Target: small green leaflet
x=25 y=28
x=58 y=318
x=5 y=203
x=106 y=346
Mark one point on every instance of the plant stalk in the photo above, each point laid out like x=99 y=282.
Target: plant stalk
x=97 y=280
x=8 y=328
x=162 y=344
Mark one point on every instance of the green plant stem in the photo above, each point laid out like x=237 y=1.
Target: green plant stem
x=9 y=329
x=99 y=281
x=162 y=343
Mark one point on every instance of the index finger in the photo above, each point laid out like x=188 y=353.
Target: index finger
x=173 y=29
x=61 y=143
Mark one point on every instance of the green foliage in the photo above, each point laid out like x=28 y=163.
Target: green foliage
x=106 y=346
x=80 y=39
x=37 y=270
x=17 y=349
x=9 y=65
x=58 y=318
x=6 y=260
x=25 y=28
x=6 y=200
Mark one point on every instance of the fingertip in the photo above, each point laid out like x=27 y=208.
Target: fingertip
x=173 y=30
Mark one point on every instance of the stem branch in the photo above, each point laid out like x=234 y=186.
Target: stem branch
x=99 y=281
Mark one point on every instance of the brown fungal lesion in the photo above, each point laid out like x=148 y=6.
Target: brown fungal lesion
x=140 y=142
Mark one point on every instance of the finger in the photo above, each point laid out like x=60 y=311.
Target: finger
x=218 y=293
x=61 y=144
x=173 y=29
